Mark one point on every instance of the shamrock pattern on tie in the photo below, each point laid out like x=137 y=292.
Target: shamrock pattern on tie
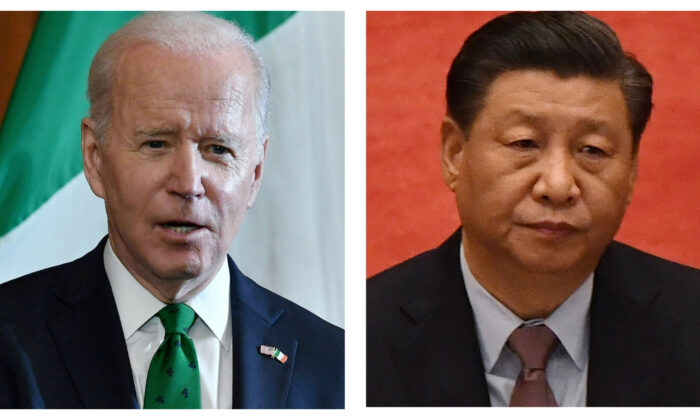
x=173 y=376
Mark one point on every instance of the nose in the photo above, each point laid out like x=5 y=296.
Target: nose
x=557 y=182
x=186 y=172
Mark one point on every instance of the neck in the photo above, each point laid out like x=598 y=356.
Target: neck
x=526 y=293
x=174 y=291
x=167 y=289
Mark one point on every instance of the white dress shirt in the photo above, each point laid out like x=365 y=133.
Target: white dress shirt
x=143 y=331
x=567 y=370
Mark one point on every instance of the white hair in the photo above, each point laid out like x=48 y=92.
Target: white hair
x=186 y=33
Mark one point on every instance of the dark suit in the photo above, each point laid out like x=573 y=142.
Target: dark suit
x=422 y=347
x=63 y=345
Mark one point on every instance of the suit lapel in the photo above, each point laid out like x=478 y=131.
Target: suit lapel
x=629 y=344
x=89 y=336
x=442 y=342
x=258 y=381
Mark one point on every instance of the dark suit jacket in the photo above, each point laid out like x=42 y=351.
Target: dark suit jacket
x=422 y=347
x=62 y=345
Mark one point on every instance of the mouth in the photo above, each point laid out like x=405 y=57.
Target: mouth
x=555 y=229
x=181 y=227
x=552 y=226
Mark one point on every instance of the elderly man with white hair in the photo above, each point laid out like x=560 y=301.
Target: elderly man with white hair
x=157 y=315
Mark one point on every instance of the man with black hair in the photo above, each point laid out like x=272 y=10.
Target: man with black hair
x=531 y=302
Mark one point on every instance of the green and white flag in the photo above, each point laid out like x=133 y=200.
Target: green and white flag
x=292 y=240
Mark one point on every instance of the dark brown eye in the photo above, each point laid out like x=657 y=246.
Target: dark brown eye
x=524 y=144
x=593 y=151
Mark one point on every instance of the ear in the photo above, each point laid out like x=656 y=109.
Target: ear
x=257 y=176
x=632 y=179
x=452 y=146
x=92 y=157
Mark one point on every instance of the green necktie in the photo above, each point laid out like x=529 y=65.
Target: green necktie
x=173 y=376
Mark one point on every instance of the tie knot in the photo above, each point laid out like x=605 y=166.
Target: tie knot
x=177 y=318
x=533 y=345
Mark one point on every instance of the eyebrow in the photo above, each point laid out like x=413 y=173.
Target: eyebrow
x=222 y=138
x=228 y=139
x=159 y=132
x=583 y=124
x=523 y=114
x=155 y=132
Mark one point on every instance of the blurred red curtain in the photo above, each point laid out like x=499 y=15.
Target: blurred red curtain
x=409 y=210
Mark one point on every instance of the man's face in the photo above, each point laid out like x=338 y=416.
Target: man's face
x=545 y=173
x=181 y=164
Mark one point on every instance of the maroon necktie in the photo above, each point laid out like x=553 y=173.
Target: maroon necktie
x=533 y=345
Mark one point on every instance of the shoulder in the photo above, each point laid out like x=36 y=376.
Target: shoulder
x=28 y=296
x=319 y=366
x=424 y=277
x=641 y=261
x=630 y=264
x=301 y=320
x=650 y=303
x=403 y=274
x=274 y=308
x=676 y=287
x=18 y=387
x=318 y=346
x=323 y=343
x=407 y=294
x=259 y=305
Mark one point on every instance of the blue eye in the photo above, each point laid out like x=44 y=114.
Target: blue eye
x=218 y=150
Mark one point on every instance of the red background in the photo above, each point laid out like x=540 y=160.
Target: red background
x=410 y=210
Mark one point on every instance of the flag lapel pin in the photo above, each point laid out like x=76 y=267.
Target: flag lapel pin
x=273 y=352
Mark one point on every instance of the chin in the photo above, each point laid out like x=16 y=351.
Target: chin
x=178 y=273
x=177 y=268
x=183 y=263
x=551 y=262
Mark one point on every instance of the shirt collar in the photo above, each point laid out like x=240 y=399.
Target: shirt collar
x=212 y=305
x=570 y=322
x=136 y=305
x=495 y=322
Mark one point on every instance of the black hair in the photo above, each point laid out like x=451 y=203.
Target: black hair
x=567 y=43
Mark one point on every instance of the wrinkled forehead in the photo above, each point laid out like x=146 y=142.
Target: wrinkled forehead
x=147 y=70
